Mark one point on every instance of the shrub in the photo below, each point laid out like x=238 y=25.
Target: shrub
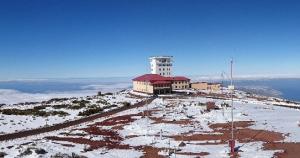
x=76 y=107
x=90 y=111
x=40 y=151
x=81 y=102
x=126 y=104
x=102 y=101
x=34 y=112
x=26 y=152
x=61 y=106
x=56 y=100
x=60 y=113
x=2 y=154
x=39 y=107
x=201 y=104
x=61 y=155
x=111 y=106
x=225 y=105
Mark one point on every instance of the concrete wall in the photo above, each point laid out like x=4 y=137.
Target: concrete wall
x=144 y=87
x=214 y=87
x=161 y=65
x=199 y=86
x=206 y=86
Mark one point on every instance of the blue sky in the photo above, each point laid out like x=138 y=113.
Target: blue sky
x=104 y=38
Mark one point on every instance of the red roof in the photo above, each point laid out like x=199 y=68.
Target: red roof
x=150 y=78
x=178 y=78
x=157 y=79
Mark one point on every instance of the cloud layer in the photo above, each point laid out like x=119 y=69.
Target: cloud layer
x=11 y=96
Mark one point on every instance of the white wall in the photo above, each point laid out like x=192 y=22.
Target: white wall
x=161 y=68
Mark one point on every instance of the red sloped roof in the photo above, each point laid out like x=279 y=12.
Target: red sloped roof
x=154 y=78
x=179 y=78
x=150 y=78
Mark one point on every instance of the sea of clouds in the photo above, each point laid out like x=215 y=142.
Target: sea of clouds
x=13 y=96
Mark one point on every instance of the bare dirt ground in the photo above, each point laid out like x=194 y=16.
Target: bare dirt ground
x=290 y=150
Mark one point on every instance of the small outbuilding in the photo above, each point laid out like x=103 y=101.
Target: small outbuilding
x=206 y=86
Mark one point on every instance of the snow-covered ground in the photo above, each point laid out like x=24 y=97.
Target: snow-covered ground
x=14 y=123
x=158 y=127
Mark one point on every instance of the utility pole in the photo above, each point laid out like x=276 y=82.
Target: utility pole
x=222 y=86
x=231 y=88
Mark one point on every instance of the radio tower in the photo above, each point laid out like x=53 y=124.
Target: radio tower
x=231 y=88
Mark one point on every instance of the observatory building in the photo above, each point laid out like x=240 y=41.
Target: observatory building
x=161 y=65
x=161 y=80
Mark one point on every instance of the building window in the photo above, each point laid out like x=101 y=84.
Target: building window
x=163 y=73
x=159 y=73
x=163 y=69
x=159 y=69
x=175 y=86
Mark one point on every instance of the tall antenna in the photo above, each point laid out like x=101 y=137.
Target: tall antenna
x=222 y=81
x=231 y=88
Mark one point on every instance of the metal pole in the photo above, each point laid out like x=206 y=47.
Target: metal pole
x=232 y=90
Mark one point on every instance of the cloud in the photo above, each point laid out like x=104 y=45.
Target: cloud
x=10 y=96
x=108 y=87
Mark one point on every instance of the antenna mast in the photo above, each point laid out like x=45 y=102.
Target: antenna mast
x=231 y=88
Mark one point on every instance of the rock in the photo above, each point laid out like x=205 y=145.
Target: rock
x=40 y=151
x=26 y=152
x=2 y=154
x=61 y=155
x=182 y=144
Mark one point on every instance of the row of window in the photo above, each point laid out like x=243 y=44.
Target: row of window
x=179 y=87
x=167 y=73
x=152 y=65
x=181 y=82
x=164 y=64
x=168 y=69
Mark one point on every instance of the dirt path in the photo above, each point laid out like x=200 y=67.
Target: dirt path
x=37 y=131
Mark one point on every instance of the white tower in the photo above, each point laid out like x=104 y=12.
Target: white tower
x=161 y=65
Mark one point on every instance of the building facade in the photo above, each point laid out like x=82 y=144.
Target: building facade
x=199 y=85
x=206 y=86
x=157 y=84
x=152 y=84
x=180 y=83
x=161 y=65
x=214 y=86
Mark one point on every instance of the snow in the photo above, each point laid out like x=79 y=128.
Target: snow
x=13 y=123
x=145 y=131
